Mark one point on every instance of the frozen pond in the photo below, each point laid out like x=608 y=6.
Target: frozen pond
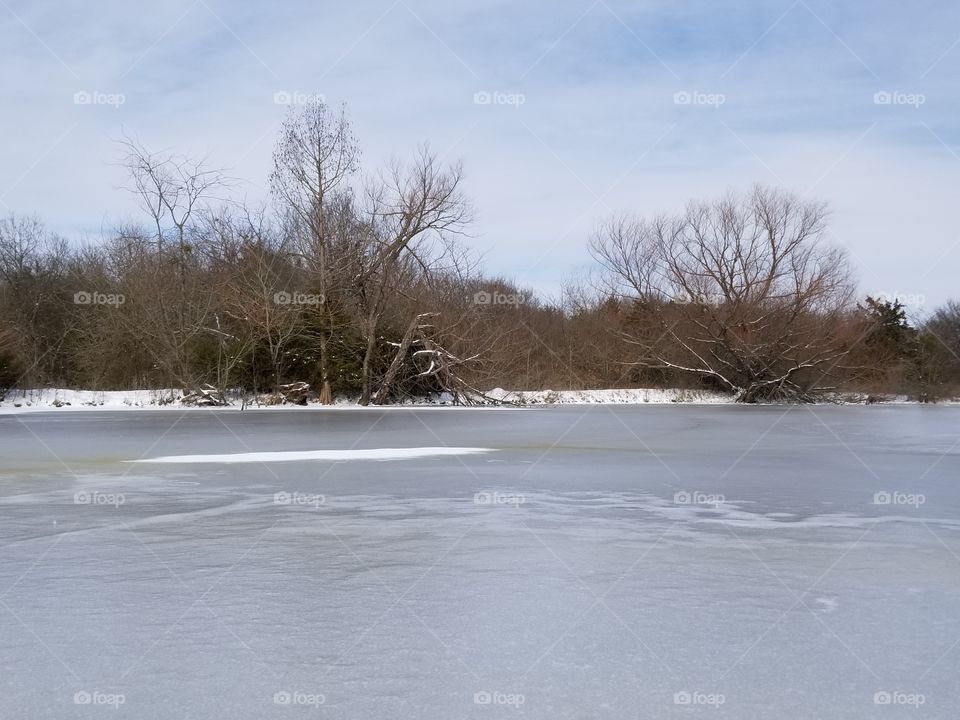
x=593 y=562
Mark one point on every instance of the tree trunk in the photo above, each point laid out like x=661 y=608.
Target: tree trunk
x=326 y=397
x=368 y=360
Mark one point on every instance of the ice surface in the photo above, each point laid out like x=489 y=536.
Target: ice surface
x=604 y=562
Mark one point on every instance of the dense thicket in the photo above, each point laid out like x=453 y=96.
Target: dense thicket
x=359 y=286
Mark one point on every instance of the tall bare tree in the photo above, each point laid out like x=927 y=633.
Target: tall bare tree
x=314 y=160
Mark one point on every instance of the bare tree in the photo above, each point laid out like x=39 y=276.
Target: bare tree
x=626 y=250
x=33 y=300
x=174 y=306
x=743 y=292
x=409 y=217
x=314 y=160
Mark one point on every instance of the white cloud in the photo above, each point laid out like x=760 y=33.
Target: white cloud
x=598 y=92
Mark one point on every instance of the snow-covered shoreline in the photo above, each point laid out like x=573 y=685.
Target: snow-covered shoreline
x=59 y=399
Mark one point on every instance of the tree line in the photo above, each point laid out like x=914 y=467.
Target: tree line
x=361 y=285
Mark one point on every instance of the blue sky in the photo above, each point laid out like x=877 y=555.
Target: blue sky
x=780 y=92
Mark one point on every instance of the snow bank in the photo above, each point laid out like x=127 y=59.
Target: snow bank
x=47 y=399
x=18 y=401
x=44 y=400
x=632 y=396
x=61 y=399
x=331 y=455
